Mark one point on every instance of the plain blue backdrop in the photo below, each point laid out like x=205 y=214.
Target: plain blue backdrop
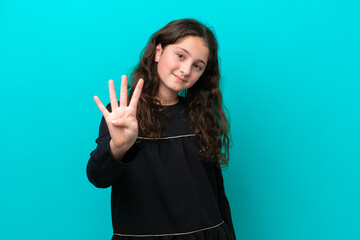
x=290 y=82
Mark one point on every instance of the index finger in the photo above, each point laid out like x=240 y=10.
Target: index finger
x=136 y=95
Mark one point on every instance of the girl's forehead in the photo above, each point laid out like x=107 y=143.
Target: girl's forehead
x=195 y=47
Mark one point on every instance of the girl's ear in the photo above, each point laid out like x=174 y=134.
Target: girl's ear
x=158 y=52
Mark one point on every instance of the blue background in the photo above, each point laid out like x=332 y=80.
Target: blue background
x=291 y=74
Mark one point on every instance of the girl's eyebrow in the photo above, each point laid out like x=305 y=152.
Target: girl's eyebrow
x=190 y=54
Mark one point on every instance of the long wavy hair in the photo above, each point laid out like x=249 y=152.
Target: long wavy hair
x=204 y=99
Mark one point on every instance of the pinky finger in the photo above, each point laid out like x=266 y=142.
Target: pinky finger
x=101 y=106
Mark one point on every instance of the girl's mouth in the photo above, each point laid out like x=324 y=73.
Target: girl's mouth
x=179 y=78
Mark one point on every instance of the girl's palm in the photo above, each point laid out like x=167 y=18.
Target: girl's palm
x=121 y=121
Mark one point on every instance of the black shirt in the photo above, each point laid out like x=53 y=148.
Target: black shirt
x=160 y=189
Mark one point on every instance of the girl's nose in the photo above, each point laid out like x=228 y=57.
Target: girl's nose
x=185 y=68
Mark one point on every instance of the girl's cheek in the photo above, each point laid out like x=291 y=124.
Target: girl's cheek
x=174 y=60
x=173 y=63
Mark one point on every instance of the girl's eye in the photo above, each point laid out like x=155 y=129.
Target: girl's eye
x=198 y=67
x=180 y=55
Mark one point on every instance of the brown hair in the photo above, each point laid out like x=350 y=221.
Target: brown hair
x=204 y=98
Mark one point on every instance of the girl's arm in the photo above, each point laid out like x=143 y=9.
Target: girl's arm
x=103 y=169
x=117 y=135
x=224 y=204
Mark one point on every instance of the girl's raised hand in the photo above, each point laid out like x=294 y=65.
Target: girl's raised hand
x=121 y=121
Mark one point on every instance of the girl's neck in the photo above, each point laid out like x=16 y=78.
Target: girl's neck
x=169 y=100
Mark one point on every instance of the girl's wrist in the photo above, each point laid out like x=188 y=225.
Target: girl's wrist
x=117 y=152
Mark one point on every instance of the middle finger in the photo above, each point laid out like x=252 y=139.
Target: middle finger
x=123 y=91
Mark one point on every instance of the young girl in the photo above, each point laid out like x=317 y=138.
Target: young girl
x=161 y=152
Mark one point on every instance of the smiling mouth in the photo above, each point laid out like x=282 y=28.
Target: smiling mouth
x=179 y=78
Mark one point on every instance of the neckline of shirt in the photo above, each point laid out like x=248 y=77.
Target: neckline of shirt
x=181 y=99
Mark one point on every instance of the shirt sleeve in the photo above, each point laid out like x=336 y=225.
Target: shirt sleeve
x=224 y=204
x=103 y=169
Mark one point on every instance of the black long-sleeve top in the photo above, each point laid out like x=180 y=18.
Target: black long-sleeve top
x=160 y=189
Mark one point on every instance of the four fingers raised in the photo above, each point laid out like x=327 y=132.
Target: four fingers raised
x=123 y=96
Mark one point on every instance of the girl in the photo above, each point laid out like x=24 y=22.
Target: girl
x=161 y=153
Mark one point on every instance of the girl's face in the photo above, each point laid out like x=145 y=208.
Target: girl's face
x=180 y=65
